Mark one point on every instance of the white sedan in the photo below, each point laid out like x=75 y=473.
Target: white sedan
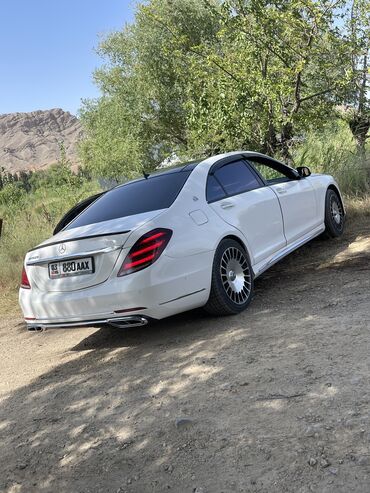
x=194 y=235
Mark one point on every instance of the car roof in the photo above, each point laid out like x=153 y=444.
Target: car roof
x=176 y=168
x=189 y=166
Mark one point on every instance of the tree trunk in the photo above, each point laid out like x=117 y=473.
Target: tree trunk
x=360 y=125
x=286 y=140
x=270 y=143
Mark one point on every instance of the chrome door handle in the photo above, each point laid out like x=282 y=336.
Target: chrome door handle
x=281 y=190
x=227 y=204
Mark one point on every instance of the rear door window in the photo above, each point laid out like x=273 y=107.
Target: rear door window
x=236 y=177
x=155 y=193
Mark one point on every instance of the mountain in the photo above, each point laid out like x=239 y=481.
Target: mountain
x=32 y=140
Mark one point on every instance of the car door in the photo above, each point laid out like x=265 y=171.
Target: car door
x=237 y=194
x=296 y=197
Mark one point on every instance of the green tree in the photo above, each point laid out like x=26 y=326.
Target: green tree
x=196 y=77
x=357 y=113
x=141 y=116
x=283 y=70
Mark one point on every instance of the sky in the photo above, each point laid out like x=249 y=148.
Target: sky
x=47 y=50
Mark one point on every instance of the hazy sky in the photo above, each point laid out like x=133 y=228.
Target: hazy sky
x=47 y=50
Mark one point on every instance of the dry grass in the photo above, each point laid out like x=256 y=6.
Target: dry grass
x=357 y=206
x=27 y=223
x=9 y=302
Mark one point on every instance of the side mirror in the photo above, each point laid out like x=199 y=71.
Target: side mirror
x=303 y=171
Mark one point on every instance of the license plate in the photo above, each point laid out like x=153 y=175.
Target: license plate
x=68 y=268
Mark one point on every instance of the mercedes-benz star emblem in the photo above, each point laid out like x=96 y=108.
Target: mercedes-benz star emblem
x=62 y=248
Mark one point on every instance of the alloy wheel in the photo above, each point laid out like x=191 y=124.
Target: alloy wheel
x=235 y=275
x=336 y=212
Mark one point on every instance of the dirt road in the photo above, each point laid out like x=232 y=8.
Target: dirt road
x=276 y=399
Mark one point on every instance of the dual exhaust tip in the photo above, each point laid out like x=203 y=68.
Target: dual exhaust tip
x=132 y=321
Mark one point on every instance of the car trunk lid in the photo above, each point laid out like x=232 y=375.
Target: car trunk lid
x=81 y=257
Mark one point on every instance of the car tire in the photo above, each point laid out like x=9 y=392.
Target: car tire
x=334 y=215
x=232 y=280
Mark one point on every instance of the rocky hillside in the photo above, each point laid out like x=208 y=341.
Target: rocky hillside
x=32 y=140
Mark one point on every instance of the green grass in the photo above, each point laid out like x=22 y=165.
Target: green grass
x=333 y=151
x=31 y=220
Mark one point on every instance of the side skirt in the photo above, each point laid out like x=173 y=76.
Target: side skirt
x=261 y=267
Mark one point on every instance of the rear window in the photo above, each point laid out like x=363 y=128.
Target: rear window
x=155 y=193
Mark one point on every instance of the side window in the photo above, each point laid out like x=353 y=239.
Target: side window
x=214 y=190
x=236 y=177
x=269 y=174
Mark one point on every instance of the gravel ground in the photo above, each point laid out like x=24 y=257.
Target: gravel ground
x=276 y=399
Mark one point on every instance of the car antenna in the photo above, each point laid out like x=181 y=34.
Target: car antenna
x=146 y=175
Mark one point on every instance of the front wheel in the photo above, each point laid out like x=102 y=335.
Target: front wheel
x=232 y=280
x=334 y=215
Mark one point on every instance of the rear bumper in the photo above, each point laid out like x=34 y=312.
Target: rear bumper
x=168 y=287
x=119 y=322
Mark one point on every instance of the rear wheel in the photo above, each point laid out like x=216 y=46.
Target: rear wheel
x=232 y=280
x=334 y=215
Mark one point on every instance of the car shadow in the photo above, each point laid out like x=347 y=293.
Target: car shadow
x=305 y=260
x=156 y=332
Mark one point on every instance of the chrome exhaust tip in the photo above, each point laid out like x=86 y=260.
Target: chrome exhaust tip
x=35 y=328
x=131 y=321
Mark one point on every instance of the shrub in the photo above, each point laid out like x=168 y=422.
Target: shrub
x=333 y=151
x=29 y=218
x=11 y=194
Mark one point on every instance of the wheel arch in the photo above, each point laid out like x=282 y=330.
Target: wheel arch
x=238 y=240
x=336 y=190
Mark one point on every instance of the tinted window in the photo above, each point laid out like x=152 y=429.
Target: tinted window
x=214 y=189
x=269 y=174
x=157 y=192
x=74 y=212
x=236 y=178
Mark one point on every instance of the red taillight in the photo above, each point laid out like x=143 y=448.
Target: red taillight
x=25 y=283
x=145 y=251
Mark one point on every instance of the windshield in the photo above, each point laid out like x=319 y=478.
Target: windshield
x=155 y=193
